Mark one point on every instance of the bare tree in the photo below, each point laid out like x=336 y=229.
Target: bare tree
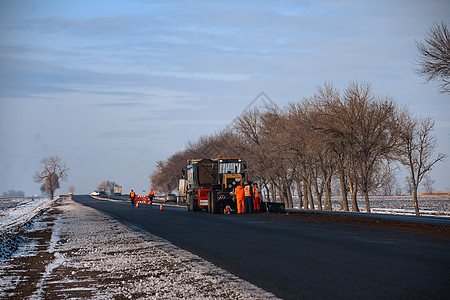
x=168 y=172
x=398 y=189
x=418 y=150
x=434 y=61
x=362 y=133
x=321 y=121
x=303 y=149
x=334 y=120
x=408 y=186
x=14 y=193
x=53 y=170
x=428 y=184
x=373 y=133
x=275 y=138
x=388 y=181
x=165 y=178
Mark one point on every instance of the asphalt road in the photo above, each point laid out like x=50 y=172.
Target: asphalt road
x=297 y=258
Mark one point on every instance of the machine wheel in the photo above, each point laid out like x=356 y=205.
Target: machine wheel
x=215 y=205
x=210 y=198
x=190 y=203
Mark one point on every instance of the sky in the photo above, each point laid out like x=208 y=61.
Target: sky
x=111 y=87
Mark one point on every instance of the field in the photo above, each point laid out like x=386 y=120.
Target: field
x=438 y=206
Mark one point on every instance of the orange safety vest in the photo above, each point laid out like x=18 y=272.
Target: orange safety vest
x=132 y=194
x=257 y=192
x=247 y=191
x=151 y=193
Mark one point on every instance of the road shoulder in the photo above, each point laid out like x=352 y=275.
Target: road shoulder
x=75 y=251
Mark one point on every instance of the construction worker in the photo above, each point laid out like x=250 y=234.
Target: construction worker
x=239 y=192
x=151 y=195
x=257 y=197
x=248 y=194
x=132 y=197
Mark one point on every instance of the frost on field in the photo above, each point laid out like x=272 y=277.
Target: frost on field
x=89 y=255
x=16 y=215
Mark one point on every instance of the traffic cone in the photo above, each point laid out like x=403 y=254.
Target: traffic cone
x=137 y=204
x=160 y=207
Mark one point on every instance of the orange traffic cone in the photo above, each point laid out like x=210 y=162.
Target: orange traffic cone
x=160 y=207
x=137 y=204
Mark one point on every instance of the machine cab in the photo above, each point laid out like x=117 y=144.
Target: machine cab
x=231 y=173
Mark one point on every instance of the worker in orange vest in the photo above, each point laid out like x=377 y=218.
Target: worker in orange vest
x=239 y=192
x=132 y=197
x=257 y=197
x=248 y=196
x=151 y=194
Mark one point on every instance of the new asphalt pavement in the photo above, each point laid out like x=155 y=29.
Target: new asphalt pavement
x=299 y=258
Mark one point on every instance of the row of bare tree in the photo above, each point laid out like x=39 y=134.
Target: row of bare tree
x=352 y=137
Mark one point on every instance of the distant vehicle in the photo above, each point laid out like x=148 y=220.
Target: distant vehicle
x=102 y=191
x=117 y=190
x=182 y=184
x=95 y=193
x=171 y=197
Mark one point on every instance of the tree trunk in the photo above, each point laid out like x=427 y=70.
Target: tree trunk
x=327 y=188
x=343 y=190
x=328 y=196
x=416 y=202
x=310 y=195
x=273 y=192
x=354 y=195
x=306 y=193
x=289 y=195
x=284 y=197
x=286 y=190
x=318 y=194
x=366 y=199
x=267 y=191
x=365 y=187
x=300 y=195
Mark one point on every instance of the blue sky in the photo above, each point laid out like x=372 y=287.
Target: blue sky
x=113 y=86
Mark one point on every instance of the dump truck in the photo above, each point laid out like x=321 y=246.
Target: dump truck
x=209 y=183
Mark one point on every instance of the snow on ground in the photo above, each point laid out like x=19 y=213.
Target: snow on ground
x=75 y=251
x=15 y=212
x=395 y=205
x=15 y=215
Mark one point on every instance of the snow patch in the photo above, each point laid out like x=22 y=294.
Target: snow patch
x=17 y=212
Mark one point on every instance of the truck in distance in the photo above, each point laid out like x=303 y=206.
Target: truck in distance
x=117 y=190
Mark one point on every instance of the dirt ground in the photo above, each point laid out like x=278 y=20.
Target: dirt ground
x=374 y=222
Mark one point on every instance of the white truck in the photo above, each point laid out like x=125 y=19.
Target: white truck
x=117 y=190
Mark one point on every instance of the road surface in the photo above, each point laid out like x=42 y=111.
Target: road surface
x=297 y=258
